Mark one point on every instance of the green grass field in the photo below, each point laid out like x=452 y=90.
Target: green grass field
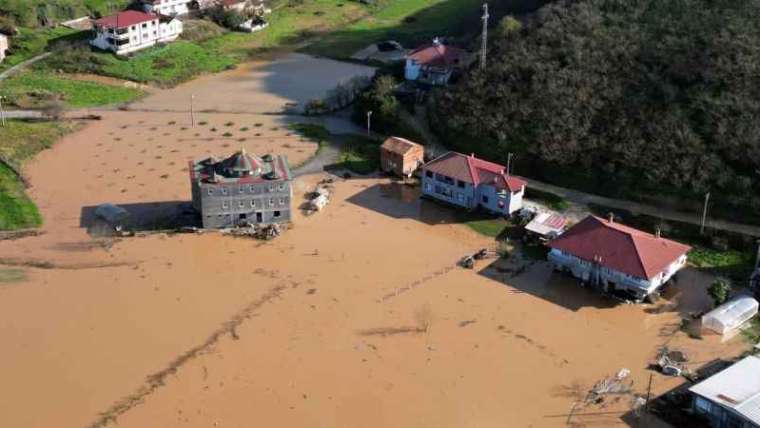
x=359 y=154
x=409 y=22
x=16 y=209
x=19 y=141
x=166 y=65
x=32 y=89
x=31 y=43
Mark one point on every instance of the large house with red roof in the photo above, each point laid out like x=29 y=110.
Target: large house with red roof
x=132 y=30
x=472 y=183
x=241 y=189
x=617 y=259
x=435 y=63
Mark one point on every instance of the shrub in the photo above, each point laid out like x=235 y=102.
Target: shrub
x=719 y=291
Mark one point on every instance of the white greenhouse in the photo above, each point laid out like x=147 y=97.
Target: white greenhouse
x=730 y=315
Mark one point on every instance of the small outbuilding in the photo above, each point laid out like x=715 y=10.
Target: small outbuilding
x=401 y=157
x=546 y=225
x=730 y=315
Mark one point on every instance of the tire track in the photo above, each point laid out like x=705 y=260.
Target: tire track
x=158 y=379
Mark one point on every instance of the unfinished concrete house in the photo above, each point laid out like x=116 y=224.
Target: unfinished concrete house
x=241 y=189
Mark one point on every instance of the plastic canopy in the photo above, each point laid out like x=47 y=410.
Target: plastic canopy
x=730 y=315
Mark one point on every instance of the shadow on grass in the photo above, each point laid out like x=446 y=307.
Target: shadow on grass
x=458 y=19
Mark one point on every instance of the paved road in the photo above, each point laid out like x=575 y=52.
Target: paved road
x=20 y=66
x=22 y=114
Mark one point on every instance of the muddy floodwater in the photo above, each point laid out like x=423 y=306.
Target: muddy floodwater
x=358 y=316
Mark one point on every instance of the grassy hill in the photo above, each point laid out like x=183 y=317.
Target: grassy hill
x=34 y=13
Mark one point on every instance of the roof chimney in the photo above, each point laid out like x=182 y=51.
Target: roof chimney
x=436 y=41
x=611 y=217
x=472 y=155
x=657 y=232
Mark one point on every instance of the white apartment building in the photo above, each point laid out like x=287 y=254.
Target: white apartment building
x=167 y=7
x=131 y=31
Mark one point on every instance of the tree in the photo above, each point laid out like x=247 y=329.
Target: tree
x=379 y=99
x=719 y=291
x=508 y=25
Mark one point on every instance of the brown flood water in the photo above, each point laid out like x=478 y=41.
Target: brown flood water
x=356 y=316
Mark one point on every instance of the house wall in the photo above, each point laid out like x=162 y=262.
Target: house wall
x=401 y=165
x=587 y=271
x=222 y=205
x=411 y=70
x=448 y=190
x=504 y=203
x=4 y=45
x=719 y=416
x=139 y=36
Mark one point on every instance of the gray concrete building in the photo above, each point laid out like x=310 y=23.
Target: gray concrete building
x=242 y=189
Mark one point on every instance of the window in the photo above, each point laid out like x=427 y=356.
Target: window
x=281 y=187
x=225 y=205
x=485 y=199
x=250 y=188
x=271 y=187
x=241 y=189
x=460 y=184
x=145 y=25
x=460 y=197
x=282 y=201
x=224 y=190
x=210 y=191
x=429 y=174
x=253 y=202
x=428 y=187
x=241 y=204
x=271 y=202
x=276 y=214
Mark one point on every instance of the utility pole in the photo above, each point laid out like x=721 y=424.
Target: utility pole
x=2 y=112
x=192 y=112
x=369 y=123
x=704 y=214
x=484 y=42
x=509 y=163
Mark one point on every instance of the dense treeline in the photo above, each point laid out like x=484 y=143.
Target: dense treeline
x=654 y=99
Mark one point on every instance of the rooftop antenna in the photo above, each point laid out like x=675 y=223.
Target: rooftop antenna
x=484 y=45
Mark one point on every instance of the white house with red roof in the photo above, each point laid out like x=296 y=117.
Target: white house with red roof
x=618 y=259
x=471 y=183
x=132 y=30
x=435 y=63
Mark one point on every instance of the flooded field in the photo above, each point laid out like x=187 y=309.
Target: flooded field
x=356 y=316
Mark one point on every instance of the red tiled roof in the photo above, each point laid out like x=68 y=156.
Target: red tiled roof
x=438 y=55
x=475 y=171
x=399 y=145
x=125 y=19
x=619 y=247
